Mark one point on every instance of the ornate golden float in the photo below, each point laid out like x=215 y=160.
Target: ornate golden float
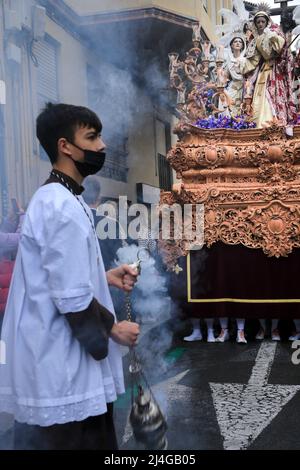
x=248 y=181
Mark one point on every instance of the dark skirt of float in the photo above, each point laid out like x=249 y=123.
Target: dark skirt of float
x=238 y=282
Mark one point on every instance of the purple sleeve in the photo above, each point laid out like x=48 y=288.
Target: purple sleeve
x=9 y=241
x=8 y=226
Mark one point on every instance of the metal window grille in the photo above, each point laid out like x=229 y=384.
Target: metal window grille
x=165 y=173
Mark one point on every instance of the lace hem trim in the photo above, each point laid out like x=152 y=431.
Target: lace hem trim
x=47 y=416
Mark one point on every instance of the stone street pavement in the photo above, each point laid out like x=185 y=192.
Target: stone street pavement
x=220 y=395
x=215 y=396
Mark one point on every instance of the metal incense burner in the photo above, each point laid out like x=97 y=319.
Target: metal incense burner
x=148 y=423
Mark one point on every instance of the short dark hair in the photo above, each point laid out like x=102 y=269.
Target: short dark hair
x=62 y=120
x=92 y=188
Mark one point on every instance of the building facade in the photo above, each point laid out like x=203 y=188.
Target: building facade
x=110 y=56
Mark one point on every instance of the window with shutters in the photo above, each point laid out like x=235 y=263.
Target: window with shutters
x=45 y=55
x=45 y=58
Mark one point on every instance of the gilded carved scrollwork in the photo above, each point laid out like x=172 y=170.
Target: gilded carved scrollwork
x=274 y=227
x=249 y=183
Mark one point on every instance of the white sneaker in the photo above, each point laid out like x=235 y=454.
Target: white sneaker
x=223 y=336
x=276 y=335
x=195 y=336
x=240 y=338
x=261 y=334
x=294 y=337
x=210 y=336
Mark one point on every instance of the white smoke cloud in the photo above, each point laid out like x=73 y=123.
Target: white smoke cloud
x=150 y=301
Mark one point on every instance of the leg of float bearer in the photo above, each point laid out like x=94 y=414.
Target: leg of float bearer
x=262 y=330
x=196 y=334
x=240 y=338
x=275 y=332
x=210 y=330
x=296 y=334
x=224 y=323
x=224 y=335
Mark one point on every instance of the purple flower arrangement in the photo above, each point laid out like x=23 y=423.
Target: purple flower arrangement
x=297 y=120
x=226 y=122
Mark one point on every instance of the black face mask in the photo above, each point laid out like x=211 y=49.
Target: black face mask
x=92 y=163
